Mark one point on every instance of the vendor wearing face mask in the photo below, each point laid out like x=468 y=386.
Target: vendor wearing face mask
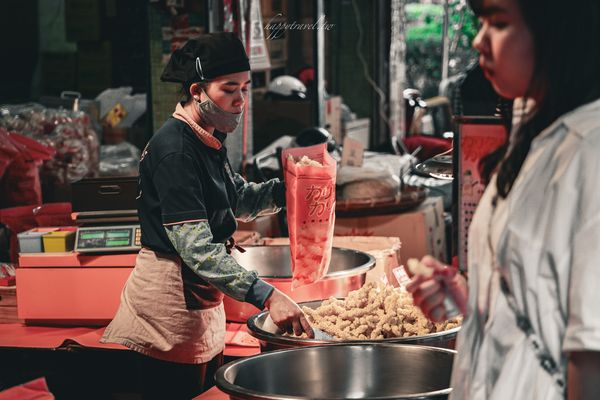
x=171 y=308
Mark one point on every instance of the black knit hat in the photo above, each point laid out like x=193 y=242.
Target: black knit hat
x=207 y=57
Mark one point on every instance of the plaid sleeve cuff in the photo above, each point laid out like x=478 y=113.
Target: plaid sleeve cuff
x=258 y=293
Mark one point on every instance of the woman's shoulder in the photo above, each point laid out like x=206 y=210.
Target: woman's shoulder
x=167 y=141
x=172 y=137
x=170 y=131
x=584 y=121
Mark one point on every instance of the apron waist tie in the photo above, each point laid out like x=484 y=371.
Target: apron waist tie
x=230 y=245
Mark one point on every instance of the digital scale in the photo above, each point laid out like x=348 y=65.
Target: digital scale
x=106 y=213
x=108 y=239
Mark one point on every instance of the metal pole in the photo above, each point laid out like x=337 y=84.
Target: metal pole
x=209 y=16
x=445 y=41
x=381 y=129
x=318 y=103
x=243 y=7
x=397 y=74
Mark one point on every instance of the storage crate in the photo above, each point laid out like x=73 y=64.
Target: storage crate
x=31 y=241
x=59 y=241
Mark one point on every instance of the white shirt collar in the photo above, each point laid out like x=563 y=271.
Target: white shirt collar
x=585 y=118
x=580 y=120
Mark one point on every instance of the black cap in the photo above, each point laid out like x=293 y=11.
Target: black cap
x=216 y=54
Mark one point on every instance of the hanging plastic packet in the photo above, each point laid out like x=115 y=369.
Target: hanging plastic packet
x=310 y=196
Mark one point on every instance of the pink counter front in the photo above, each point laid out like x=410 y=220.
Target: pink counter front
x=238 y=342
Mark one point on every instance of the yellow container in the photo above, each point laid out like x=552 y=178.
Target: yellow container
x=59 y=241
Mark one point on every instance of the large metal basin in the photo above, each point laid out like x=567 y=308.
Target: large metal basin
x=347 y=272
x=274 y=341
x=343 y=371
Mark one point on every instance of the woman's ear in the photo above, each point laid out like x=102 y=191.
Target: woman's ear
x=195 y=91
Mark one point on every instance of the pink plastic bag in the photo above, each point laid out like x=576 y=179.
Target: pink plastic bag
x=310 y=198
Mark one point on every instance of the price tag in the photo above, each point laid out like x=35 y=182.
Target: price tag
x=401 y=277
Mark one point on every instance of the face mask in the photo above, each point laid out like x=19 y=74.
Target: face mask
x=213 y=115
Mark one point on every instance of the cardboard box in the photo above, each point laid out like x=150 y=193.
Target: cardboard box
x=359 y=129
x=385 y=250
x=421 y=231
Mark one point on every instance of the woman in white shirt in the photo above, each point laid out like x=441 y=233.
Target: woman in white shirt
x=532 y=323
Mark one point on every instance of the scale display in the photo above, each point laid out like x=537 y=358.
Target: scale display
x=102 y=239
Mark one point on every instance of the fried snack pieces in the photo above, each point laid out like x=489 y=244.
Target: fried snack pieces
x=374 y=312
x=416 y=267
x=305 y=161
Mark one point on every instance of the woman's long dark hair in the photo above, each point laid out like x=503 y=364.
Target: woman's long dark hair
x=566 y=38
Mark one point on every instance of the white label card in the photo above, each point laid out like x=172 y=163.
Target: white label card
x=352 y=153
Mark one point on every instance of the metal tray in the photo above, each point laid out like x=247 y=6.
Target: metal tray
x=273 y=341
x=342 y=371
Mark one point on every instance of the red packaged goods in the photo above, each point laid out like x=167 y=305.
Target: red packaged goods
x=69 y=133
x=20 y=183
x=8 y=151
x=7 y=275
x=310 y=196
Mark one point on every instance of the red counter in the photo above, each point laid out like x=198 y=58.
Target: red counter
x=238 y=343
x=70 y=288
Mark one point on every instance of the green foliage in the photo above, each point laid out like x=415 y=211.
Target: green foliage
x=424 y=43
x=425 y=32
x=415 y=11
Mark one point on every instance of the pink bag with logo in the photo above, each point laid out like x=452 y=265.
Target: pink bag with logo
x=310 y=198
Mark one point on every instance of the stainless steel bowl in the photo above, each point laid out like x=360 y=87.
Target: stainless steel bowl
x=347 y=272
x=343 y=371
x=275 y=341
